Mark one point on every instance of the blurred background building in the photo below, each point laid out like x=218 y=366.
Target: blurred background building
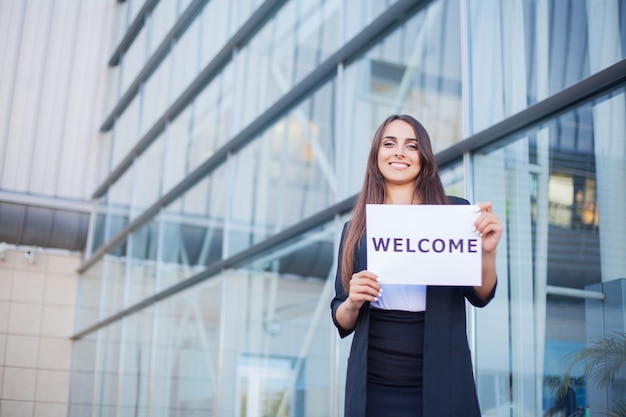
x=174 y=176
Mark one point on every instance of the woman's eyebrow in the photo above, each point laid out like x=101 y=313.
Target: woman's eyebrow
x=393 y=137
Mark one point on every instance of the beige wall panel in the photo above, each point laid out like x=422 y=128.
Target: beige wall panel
x=50 y=410
x=15 y=408
x=21 y=351
x=19 y=384
x=36 y=322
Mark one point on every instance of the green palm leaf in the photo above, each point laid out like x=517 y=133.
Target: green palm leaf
x=619 y=410
x=601 y=361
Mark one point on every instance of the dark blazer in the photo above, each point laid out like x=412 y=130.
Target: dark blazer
x=449 y=388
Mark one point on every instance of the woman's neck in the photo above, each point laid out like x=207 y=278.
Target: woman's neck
x=400 y=195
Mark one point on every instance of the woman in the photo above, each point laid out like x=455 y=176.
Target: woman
x=409 y=355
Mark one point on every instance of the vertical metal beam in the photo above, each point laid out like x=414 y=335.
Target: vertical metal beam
x=542 y=210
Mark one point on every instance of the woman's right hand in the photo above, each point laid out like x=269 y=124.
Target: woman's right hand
x=364 y=286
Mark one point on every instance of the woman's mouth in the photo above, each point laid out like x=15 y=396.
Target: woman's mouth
x=398 y=165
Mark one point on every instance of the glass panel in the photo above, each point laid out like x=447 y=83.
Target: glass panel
x=554 y=185
x=414 y=70
x=241 y=11
x=357 y=18
x=256 y=90
x=279 y=300
x=135 y=364
x=148 y=178
x=120 y=24
x=83 y=376
x=265 y=386
x=453 y=178
x=162 y=19
x=141 y=274
x=105 y=148
x=111 y=96
x=133 y=60
x=192 y=229
x=126 y=132
x=113 y=277
x=530 y=50
x=97 y=235
x=133 y=8
x=214 y=28
x=89 y=297
x=211 y=116
x=118 y=203
x=299 y=37
x=176 y=145
x=155 y=95
x=285 y=175
x=108 y=370
x=341 y=347
x=182 y=6
x=186 y=367
x=186 y=57
x=281 y=355
x=314 y=27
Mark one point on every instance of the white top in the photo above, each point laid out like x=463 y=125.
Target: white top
x=401 y=297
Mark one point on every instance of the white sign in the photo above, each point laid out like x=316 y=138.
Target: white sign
x=423 y=244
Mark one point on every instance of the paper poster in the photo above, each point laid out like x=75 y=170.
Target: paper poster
x=423 y=244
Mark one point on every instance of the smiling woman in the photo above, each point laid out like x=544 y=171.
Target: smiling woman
x=409 y=354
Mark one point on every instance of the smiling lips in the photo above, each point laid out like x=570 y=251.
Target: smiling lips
x=398 y=165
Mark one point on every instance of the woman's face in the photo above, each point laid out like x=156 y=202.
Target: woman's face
x=398 y=155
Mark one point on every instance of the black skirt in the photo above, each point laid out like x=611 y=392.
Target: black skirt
x=394 y=363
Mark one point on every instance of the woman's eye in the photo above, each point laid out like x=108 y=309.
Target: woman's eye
x=388 y=144
x=412 y=146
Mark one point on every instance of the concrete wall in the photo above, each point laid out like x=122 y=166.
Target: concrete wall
x=36 y=320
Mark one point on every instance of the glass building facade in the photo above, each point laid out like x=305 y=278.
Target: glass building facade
x=232 y=150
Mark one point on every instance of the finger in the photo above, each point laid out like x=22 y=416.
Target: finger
x=486 y=218
x=366 y=286
x=365 y=282
x=491 y=234
x=366 y=274
x=485 y=206
x=367 y=277
x=364 y=293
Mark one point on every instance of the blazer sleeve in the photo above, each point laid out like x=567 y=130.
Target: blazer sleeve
x=475 y=300
x=340 y=295
x=470 y=292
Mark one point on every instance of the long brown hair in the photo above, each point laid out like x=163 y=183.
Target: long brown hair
x=428 y=189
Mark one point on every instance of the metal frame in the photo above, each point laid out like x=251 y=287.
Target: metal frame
x=585 y=90
x=153 y=62
x=238 y=259
x=132 y=31
x=33 y=200
x=390 y=19
x=386 y=22
x=210 y=71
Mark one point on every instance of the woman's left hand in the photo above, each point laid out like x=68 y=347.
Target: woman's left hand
x=489 y=226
